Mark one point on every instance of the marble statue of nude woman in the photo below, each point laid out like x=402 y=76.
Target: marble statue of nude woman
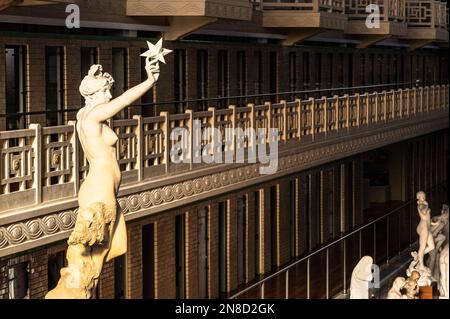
x=426 y=241
x=100 y=233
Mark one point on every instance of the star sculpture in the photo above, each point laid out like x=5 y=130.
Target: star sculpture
x=156 y=51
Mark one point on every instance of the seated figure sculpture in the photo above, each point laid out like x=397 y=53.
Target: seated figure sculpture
x=411 y=285
x=361 y=276
x=100 y=232
x=396 y=291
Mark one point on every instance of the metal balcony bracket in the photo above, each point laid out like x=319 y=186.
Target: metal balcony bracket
x=182 y=26
x=301 y=35
x=369 y=40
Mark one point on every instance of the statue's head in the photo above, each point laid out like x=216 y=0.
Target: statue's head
x=96 y=86
x=415 y=275
x=398 y=284
x=421 y=196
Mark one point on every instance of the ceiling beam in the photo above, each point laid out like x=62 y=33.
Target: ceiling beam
x=301 y=35
x=183 y=26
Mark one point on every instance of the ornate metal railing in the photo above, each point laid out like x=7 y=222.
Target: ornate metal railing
x=326 y=271
x=390 y=10
x=335 y=6
x=39 y=165
x=427 y=13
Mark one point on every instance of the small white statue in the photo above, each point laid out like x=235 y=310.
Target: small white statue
x=361 y=276
x=439 y=230
x=443 y=265
x=426 y=242
x=395 y=291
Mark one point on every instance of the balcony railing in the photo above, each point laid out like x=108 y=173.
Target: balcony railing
x=38 y=165
x=427 y=13
x=326 y=271
x=333 y=6
x=390 y=10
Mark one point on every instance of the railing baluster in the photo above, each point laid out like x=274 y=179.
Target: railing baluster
x=308 y=287
x=327 y=274
x=287 y=284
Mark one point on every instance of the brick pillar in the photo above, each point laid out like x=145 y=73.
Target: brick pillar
x=165 y=258
x=106 y=282
x=232 y=247
x=72 y=80
x=35 y=87
x=324 y=208
x=250 y=236
x=213 y=251
x=337 y=200
x=38 y=275
x=192 y=254
x=2 y=89
x=283 y=221
x=134 y=262
x=344 y=207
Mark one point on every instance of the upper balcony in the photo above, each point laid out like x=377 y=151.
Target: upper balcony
x=303 y=18
x=392 y=20
x=186 y=16
x=41 y=168
x=427 y=21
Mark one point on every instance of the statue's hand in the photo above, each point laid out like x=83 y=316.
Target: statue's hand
x=152 y=68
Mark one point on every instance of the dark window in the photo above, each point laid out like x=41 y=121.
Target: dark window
x=350 y=70
x=257 y=232
x=15 y=86
x=119 y=277
x=241 y=237
x=318 y=70
x=305 y=213
x=330 y=70
x=203 y=241
x=89 y=56
x=147 y=109
x=202 y=78
x=148 y=262
x=241 y=74
x=258 y=77
x=273 y=75
x=292 y=74
x=273 y=225
x=223 y=246
x=180 y=80
x=120 y=75
x=54 y=85
x=55 y=263
x=222 y=76
x=293 y=217
x=18 y=281
x=306 y=71
x=180 y=255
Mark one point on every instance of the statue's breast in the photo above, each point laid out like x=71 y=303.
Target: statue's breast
x=108 y=135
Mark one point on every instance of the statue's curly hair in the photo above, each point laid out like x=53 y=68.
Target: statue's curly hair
x=95 y=81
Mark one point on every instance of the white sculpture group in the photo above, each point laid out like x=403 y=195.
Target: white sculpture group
x=433 y=241
x=100 y=233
